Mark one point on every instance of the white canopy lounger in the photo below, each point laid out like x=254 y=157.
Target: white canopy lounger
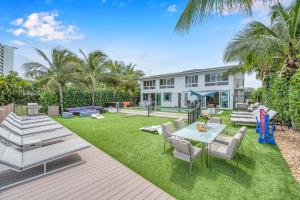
x=29 y=131
x=31 y=141
x=20 y=161
x=28 y=121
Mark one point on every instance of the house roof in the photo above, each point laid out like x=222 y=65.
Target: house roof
x=192 y=71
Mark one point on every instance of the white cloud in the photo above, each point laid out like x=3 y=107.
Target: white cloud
x=44 y=26
x=18 y=42
x=172 y=8
x=17 y=22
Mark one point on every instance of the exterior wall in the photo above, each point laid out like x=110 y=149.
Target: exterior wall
x=179 y=87
x=6 y=59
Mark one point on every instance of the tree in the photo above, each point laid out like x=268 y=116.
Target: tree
x=263 y=48
x=61 y=70
x=131 y=77
x=115 y=76
x=196 y=11
x=94 y=69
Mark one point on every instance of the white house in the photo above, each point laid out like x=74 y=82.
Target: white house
x=184 y=89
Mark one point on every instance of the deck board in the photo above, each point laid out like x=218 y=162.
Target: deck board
x=100 y=177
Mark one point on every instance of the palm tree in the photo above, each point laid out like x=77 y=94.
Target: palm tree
x=266 y=48
x=61 y=70
x=94 y=68
x=116 y=75
x=131 y=77
x=196 y=11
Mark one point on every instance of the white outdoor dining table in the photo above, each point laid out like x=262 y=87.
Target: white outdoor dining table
x=205 y=138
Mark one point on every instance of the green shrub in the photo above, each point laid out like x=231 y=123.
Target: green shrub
x=77 y=98
x=294 y=98
x=48 y=99
x=277 y=98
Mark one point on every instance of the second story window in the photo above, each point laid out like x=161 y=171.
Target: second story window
x=149 y=84
x=166 y=83
x=215 y=79
x=191 y=81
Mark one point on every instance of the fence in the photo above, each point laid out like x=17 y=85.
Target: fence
x=194 y=115
x=5 y=110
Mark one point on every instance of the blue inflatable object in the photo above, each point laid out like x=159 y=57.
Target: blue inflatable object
x=262 y=127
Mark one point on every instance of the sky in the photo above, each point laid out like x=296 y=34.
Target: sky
x=134 y=31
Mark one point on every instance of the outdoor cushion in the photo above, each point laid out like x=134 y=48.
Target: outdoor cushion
x=186 y=157
x=179 y=123
x=21 y=160
x=167 y=129
x=67 y=115
x=223 y=139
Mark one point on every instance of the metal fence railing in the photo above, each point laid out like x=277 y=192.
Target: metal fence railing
x=194 y=115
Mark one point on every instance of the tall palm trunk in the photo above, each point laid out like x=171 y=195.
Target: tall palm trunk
x=93 y=94
x=61 y=98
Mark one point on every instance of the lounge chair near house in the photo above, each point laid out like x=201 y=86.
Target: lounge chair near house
x=252 y=120
x=32 y=141
x=167 y=131
x=228 y=151
x=253 y=113
x=184 y=150
x=179 y=123
x=22 y=160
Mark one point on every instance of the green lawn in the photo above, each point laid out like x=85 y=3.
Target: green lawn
x=263 y=173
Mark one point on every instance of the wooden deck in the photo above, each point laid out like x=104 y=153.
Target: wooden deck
x=100 y=177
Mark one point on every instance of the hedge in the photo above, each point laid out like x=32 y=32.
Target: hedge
x=78 y=98
x=277 y=98
x=294 y=98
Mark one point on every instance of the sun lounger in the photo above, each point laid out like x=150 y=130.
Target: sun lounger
x=29 y=125
x=20 y=161
x=245 y=120
x=27 y=121
x=253 y=113
x=29 y=131
x=33 y=140
x=31 y=117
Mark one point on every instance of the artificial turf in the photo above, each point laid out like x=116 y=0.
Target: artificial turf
x=262 y=172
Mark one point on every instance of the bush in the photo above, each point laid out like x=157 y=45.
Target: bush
x=16 y=90
x=277 y=98
x=78 y=98
x=294 y=98
x=48 y=99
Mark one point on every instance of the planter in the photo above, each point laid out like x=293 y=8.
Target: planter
x=53 y=110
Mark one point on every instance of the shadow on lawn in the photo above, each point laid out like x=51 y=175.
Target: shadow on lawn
x=180 y=174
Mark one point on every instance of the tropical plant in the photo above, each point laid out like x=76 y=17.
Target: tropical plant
x=115 y=77
x=265 y=49
x=94 y=69
x=131 y=77
x=14 y=89
x=61 y=70
x=294 y=99
x=196 y=11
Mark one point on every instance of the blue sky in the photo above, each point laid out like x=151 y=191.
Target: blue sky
x=134 y=31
